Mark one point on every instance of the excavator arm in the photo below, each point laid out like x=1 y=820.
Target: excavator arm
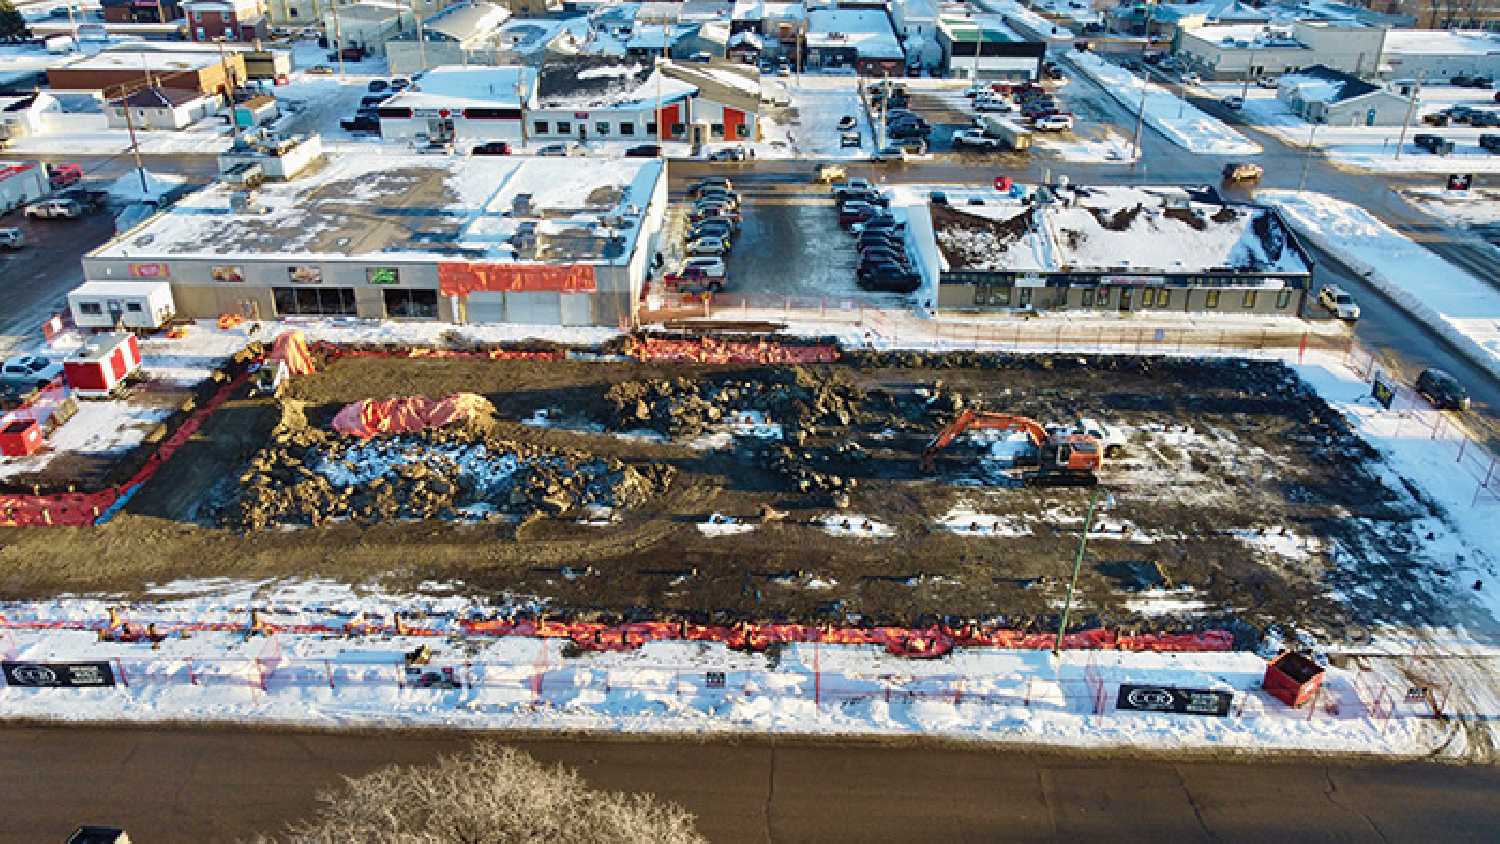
x=973 y=419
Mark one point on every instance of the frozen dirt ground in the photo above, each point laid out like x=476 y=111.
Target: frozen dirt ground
x=1241 y=500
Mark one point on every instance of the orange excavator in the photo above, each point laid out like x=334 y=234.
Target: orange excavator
x=1063 y=460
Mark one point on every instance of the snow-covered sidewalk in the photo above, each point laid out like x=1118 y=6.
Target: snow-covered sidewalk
x=1182 y=124
x=1464 y=309
x=676 y=687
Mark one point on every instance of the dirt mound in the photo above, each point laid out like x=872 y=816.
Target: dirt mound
x=796 y=398
x=311 y=477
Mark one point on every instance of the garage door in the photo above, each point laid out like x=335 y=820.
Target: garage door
x=534 y=308
x=577 y=309
x=486 y=307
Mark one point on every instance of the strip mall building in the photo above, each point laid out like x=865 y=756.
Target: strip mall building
x=469 y=240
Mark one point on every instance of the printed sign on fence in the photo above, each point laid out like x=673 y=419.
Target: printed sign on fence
x=1171 y=699
x=1382 y=391
x=58 y=675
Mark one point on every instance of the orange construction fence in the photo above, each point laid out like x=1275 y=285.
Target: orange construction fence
x=913 y=642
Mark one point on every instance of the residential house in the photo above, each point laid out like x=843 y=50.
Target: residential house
x=160 y=108
x=140 y=11
x=25 y=115
x=231 y=20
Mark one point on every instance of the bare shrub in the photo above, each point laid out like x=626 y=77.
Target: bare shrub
x=489 y=794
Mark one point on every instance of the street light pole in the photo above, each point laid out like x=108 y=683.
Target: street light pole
x=1140 y=114
x=1083 y=539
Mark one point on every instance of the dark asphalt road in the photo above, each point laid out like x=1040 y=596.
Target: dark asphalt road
x=193 y=786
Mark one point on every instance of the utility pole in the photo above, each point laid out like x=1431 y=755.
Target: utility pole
x=1410 y=108
x=660 y=118
x=135 y=148
x=1249 y=66
x=421 y=33
x=1140 y=114
x=1312 y=133
x=1083 y=540
x=338 y=38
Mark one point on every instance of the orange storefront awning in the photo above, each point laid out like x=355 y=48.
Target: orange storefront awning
x=462 y=278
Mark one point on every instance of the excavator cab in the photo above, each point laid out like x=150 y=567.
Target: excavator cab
x=1063 y=459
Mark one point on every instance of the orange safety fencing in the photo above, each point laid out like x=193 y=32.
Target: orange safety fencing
x=712 y=350
x=82 y=509
x=913 y=642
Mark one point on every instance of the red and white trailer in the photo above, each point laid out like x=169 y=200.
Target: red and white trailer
x=104 y=361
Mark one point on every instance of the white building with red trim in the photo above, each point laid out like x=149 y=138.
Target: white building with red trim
x=462 y=104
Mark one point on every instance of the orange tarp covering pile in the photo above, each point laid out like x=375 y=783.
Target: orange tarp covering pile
x=371 y=417
x=291 y=347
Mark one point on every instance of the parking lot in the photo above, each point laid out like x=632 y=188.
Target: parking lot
x=39 y=274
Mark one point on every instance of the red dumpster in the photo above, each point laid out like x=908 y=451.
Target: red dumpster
x=19 y=436
x=1293 y=679
x=1003 y=183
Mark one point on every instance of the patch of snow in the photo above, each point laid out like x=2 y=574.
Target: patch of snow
x=1181 y=123
x=854 y=525
x=962 y=519
x=719 y=524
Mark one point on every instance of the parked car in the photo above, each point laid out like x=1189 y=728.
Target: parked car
x=701 y=57
x=712 y=211
x=644 y=151
x=1191 y=78
x=371 y=100
x=719 y=197
x=728 y=154
x=868 y=197
x=1435 y=144
x=1442 y=390
x=977 y=139
x=721 y=229
x=891 y=153
x=12 y=239
x=1054 y=123
x=30 y=370
x=400 y=83
x=1267 y=82
x=62 y=175
x=976 y=89
x=53 y=209
x=361 y=123
x=1235 y=103
x=993 y=105
x=851 y=186
x=849 y=139
x=320 y=70
x=847 y=122
x=377 y=85
x=708 y=245
x=1436 y=118
x=1338 y=302
x=913 y=146
x=713 y=267
x=710 y=182
x=1490 y=143
x=560 y=150
x=892 y=277
x=492 y=148
x=1459 y=81
x=693 y=281
x=1243 y=171
x=856 y=212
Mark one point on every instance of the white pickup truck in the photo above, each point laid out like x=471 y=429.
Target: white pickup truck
x=978 y=139
x=1112 y=438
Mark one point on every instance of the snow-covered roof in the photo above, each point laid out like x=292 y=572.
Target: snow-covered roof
x=706 y=10
x=748 y=10
x=606 y=86
x=452 y=86
x=1320 y=83
x=748 y=39
x=409 y=208
x=1441 y=42
x=778 y=11
x=1247 y=36
x=143 y=60
x=1122 y=229
x=866 y=30
x=655 y=36
x=369 y=10
x=154 y=97
x=467 y=22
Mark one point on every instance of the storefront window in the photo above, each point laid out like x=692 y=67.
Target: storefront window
x=1213 y=299
x=411 y=304
x=314 y=301
x=1249 y=299
x=539 y=127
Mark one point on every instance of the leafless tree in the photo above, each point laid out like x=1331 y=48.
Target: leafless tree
x=491 y=794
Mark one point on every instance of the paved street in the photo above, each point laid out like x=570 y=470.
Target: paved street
x=171 y=785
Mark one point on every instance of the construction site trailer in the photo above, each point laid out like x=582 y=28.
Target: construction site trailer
x=102 y=363
x=131 y=304
x=1014 y=134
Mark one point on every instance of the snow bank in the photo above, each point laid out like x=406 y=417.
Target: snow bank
x=129 y=186
x=1181 y=123
x=1464 y=309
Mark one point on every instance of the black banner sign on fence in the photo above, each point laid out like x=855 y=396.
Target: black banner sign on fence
x=58 y=675
x=1171 y=699
x=1383 y=392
